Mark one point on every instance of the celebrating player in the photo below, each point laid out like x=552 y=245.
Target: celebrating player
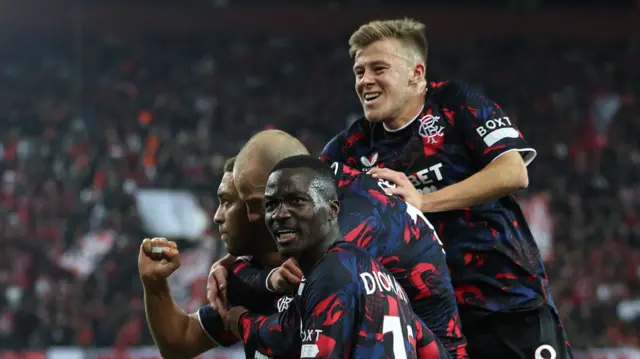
x=179 y=335
x=396 y=233
x=453 y=153
x=349 y=304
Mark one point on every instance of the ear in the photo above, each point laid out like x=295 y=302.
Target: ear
x=418 y=73
x=334 y=209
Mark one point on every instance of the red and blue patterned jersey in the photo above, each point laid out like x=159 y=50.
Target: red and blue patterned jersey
x=350 y=306
x=403 y=240
x=244 y=283
x=400 y=237
x=494 y=261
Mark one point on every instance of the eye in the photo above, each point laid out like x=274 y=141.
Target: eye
x=378 y=69
x=270 y=205
x=298 y=200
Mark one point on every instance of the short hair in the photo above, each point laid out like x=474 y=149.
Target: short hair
x=411 y=32
x=228 y=165
x=268 y=147
x=322 y=172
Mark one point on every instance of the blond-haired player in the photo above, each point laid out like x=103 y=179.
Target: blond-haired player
x=455 y=154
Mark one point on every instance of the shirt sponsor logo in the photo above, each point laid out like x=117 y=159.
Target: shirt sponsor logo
x=497 y=129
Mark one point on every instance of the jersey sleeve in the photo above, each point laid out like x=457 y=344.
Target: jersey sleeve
x=246 y=284
x=246 y=287
x=274 y=335
x=484 y=127
x=213 y=325
x=330 y=307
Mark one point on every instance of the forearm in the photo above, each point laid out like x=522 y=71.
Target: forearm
x=177 y=334
x=271 y=335
x=498 y=179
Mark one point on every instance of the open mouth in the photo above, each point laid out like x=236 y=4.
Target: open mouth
x=371 y=97
x=285 y=235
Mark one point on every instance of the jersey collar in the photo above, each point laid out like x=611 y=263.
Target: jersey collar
x=384 y=125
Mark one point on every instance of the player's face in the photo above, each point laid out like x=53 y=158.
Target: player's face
x=250 y=183
x=296 y=213
x=383 y=72
x=231 y=217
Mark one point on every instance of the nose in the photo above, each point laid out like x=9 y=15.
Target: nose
x=282 y=212
x=366 y=79
x=218 y=217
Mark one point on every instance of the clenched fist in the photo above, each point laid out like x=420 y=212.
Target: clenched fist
x=286 y=278
x=158 y=258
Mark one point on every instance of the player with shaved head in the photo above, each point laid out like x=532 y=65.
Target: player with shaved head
x=254 y=162
x=389 y=229
x=349 y=305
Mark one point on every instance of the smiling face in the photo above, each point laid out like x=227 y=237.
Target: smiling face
x=296 y=212
x=386 y=75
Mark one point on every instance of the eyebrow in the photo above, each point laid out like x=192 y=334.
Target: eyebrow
x=254 y=199
x=224 y=193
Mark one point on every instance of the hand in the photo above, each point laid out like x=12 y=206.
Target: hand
x=158 y=258
x=232 y=320
x=217 y=282
x=403 y=186
x=286 y=278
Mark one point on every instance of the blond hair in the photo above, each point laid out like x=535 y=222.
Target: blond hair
x=410 y=32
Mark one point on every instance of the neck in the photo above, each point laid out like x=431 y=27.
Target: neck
x=267 y=253
x=412 y=109
x=308 y=258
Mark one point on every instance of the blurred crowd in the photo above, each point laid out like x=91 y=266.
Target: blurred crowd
x=79 y=135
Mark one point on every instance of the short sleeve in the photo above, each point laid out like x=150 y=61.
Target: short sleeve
x=213 y=325
x=485 y=128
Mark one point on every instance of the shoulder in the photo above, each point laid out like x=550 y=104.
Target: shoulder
x=244 y=262
x=339 y=265
x=347 y=137
x=345 y=174
x=451 y=93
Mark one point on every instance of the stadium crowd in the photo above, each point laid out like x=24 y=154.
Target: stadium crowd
x=167 y=112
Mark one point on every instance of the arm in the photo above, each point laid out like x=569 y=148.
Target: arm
x=274 y=335
x=505 y=175
x=177 y=334
x=496 y=147
x=245 y=279
x=330 y=306
x=246 y=286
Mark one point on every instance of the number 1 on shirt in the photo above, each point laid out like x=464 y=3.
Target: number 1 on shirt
x=392 y=324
